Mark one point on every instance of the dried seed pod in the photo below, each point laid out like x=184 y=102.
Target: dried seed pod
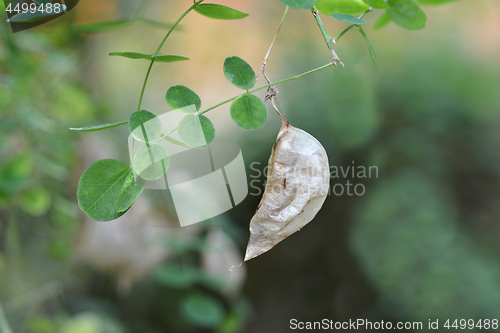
x=298 y=179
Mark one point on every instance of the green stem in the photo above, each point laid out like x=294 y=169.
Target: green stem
x=144 y=84
x=99 y=127
x=328 y=39
x=262 y=69
x=195 y=4
x=268 y=85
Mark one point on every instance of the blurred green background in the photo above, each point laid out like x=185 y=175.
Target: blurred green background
x=421 y=243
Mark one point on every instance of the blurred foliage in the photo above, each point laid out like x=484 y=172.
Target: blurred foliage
x=42 y=289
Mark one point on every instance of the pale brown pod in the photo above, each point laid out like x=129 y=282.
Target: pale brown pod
x=298 y=180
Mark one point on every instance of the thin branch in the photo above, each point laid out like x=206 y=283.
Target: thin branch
x=263 y=68
x=328 y=39
x=195 y=4
x=269 y=85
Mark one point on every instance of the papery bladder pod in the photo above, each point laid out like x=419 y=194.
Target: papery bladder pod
x=298 y=180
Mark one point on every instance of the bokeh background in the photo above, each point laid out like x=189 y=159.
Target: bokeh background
x=422 y=242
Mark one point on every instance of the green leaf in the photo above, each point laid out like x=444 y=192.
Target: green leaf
x=249 y=112
x=156 y=56
x=203 y=311
x=144 y=126
x=103 y=187
x=176 y=276
x=434 y=2
x=348 y=18
x=239 y=73
x=130 y=192
x=377 y=4
x=169 y=58
x=372 y=51
x=196 y=130
x=101 y=27
x=219 y=12
x=407 y=14
x=341 y=6
x=151 y=162
x=179 y=97
x=38 y=15
x=382 y=21
x=300 y=4
x=98 y=127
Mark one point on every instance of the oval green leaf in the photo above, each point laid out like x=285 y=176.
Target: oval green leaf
x=300 y=4
x=249 y=112
x=407 y=14
x=219 y=12
x=377 y=4
x=144 y=126
x=152 y=162
x=106 y=188
x=181 y=97
x=239 y=73
x=37 y=15
x=156 y=56
x=196 y=130
x=352 y=7
x=203 y=310
x=348 y=18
